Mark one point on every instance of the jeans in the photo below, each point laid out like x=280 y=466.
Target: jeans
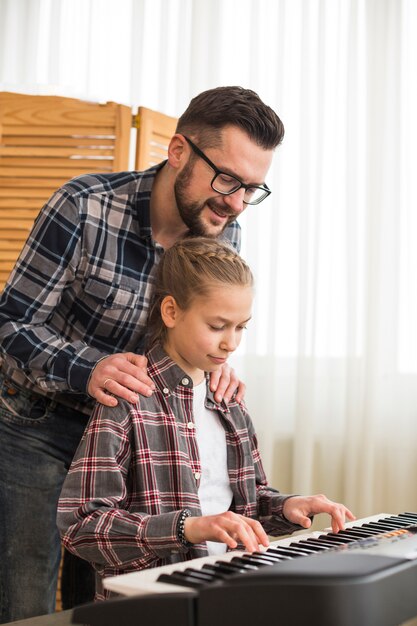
x=38 y=439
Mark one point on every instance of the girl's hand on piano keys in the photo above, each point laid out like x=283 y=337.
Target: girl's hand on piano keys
x=299 y=509
x=229 y=528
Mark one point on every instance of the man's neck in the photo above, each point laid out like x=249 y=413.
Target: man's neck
x=166 y=223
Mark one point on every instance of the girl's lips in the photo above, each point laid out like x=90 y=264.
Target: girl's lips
x=217 y=359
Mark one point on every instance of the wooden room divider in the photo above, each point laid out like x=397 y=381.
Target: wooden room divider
x=46 y=140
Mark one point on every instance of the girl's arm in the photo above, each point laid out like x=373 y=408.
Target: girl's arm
x=94 y=515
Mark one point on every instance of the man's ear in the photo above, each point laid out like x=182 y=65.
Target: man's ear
x=177 y=151
x=169 y=311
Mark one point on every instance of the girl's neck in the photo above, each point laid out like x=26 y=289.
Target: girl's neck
x=196 y=375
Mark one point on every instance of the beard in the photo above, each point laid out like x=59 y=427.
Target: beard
x=191 y=212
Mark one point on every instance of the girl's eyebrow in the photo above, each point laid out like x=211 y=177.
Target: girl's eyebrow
x=226 y=321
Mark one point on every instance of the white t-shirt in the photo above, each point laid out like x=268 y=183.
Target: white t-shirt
x=214 y=492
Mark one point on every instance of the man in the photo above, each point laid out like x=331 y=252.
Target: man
x=73 y=314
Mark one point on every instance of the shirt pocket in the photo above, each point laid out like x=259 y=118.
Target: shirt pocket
x=113 y=295
x=115 y=313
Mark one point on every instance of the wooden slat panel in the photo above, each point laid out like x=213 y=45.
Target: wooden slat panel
x=25 y=192
x=60 y=131
x=123 y=130
x=16 y=206
x=4 y=275
x=15 y=234
x=154 y=134
x=44 y=142
x=39 y=162
x=32 y=182
x=8 y=260
x=94 y=142
x=14 y=224
x=6 y=244
x=9 y=212
x=52 y=152
x=60 y=173
x=25 y=110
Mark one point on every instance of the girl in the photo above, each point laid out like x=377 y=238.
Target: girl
x=177 y=476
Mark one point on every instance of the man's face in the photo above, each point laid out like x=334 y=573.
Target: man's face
x=205 y=211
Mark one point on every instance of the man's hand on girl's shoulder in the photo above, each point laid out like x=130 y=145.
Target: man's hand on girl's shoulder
x=122 y=375
x=224 y=383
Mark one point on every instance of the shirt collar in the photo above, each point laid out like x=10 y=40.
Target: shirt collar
x=168 y=375
x=164 y=371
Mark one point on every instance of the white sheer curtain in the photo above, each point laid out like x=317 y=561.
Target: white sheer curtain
x=330 y=358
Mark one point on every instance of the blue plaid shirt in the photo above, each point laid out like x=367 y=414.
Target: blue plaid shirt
x=81 y=287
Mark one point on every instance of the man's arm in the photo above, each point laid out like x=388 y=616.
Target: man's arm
x=46 y=266
x=38 y=331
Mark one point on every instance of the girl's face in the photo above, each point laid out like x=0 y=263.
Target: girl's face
x=201 y=338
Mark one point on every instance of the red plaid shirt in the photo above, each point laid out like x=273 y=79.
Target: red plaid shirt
x=137 y=467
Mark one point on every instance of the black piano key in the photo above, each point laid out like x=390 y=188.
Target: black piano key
x=274 y=553
x=412 y=516
x=336 y=538
x=311 y=546
x=402 y=521
x=384 y=526
x=378 y=530
x=229 y=568
x=395 y=520
x=264 y=556
x=355 y=533
x=248 y=560
x=298 y=546
x=177 y=578
x=241 y=566
x=221 y=570
x=286 y=551
x=273 y=557
x=320 y=542
x=259 y=557
x=371 y=530
x=198 y=573
x=298 y=549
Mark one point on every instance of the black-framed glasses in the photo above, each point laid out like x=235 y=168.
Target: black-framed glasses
x=226 y=184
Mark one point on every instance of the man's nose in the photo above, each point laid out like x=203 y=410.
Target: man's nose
x=235 y=201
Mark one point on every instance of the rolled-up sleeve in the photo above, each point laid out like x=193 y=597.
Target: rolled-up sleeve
x=97 y=516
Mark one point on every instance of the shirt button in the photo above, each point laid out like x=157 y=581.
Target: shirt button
x=165 y=390
x=190 y=425
x=197 y=475
x=185 y=381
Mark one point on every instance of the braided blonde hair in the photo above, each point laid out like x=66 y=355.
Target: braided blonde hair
x=189 y=269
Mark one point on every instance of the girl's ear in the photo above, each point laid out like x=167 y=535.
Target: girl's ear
x=169 y=311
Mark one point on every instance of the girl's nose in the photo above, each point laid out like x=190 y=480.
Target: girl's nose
x=229 y=343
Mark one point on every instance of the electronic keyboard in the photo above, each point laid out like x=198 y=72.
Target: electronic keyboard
x=365 y=575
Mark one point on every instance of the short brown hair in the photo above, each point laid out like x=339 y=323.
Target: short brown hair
x=189 y=269
x=212 y=110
